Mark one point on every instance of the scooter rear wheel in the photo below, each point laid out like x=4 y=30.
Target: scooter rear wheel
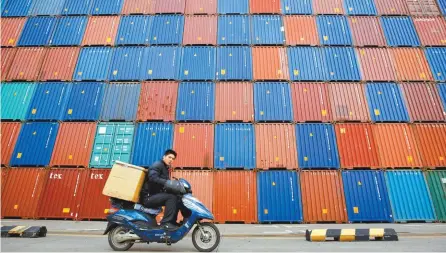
x=208 y=241
x=114 y=244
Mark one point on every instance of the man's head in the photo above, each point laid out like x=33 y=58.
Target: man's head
x=169 y=156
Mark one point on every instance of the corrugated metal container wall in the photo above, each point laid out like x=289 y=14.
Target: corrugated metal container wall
x=431 y=143
x=59 y=63
x=9 y=133
x=400 y=31
x=94 y=204
x=158 y=101
x=278 y=196
x=195 y=143
x=328 y=7
x=101 y=30
x=127 y=64
x=357 y=147
x=386 y=103
x=411 y=64
x=360 y=7
x=234 y=101
x=316 y=146
x=366 y=196
x=432 y=31
x=69 y=31
x=334 y=30
x=201 y=7
x=16 y=8
x=409 y=196
x=46 y=7
x=310 y=102
x=275 y=146
x=138 y=7
x=37 y=31
x=423 y=7
x=272 y=102
x=234 y=63
x=323 y=196
x=73 y=144
x=300 y=30
x=49 y=101
x=376 y=64
x=3 y=175
x=235 y=196
x=423 y=102
x=77 y=7
x=267 y=30
x=161 y=63
x=366 y=31
x=200 y=30
x=35 y=144
x=394 y=7
x=442 y=5
x=170 y=6
x=234 y=146
x=436 y=57
x=233 y=7
x=11 y=28
x=167 y=29
x=26 y=64
x=196 y=102
x=442 y=91
x=297 y=7
x=436 y=181
x=342 y=64
x=7 y=58
x=15 y=99
x=106 y=7
x=84 y=101
x=198 y=63
x=151 y=140
x=307 y=64
x=270 y=63
x=396 y=146
x=134 y=30
x=120 y=101
x=265 y=6
x=21 y=193
x=93 y=64
x=234 y=29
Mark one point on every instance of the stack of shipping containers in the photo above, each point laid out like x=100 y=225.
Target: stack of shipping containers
x=280 y=110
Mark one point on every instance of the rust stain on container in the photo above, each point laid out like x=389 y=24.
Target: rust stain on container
x=376 y=64
x=310 y=102
x=11 y=28
x=7 y=57
x=157 y=101
x=235 y=197
x=348 y=102
x=170 y=6
x=394 y=7
x=265 y=6
x=200 y=30
x=26 y=64
x=138 y=7
x=9 y=132
x=431 y=141
x=323 y=196
x=94 y=204
x=234 y=102
x=411 y=64
x=367 y=31
x=423 y=7
x=270 y=63
x=423 y=102
x=300 y=30
x=432 y=31
x=59 y=63
x=328 y=7
x=201 y=6
x=101 y=30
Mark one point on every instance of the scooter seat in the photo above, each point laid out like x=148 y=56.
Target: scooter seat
x=151 y=211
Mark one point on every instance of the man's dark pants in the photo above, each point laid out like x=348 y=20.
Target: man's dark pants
x=172 y=204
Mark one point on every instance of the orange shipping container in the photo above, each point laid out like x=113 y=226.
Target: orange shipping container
x=394 y=7
x=431 y=141
x=201 y=6
x=432 y=31
x=59 y=63
x=264 y=6
x=301 y=30
x=376 y=64
x=234 y=102
x=200 y=30
x=26 y=64
x=310 y=102
x=9 y=132
x=101 y=30
x=138 y=7
x=3 y=178
x=328 y=7
x=157 y=101
x=94 y=204
x=195 y=145
x=366 y=31
x=7 y=57
x=235 y=196
x=348 y=102
x=11 y=28
x=323 y=196
x=410 y=64
x=423 y=102
x=270 y=63
x=170 y=6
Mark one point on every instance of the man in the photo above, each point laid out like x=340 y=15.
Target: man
x=158 y=190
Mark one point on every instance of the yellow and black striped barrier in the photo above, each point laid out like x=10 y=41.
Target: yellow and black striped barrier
x=350 y=235
x=24 y=231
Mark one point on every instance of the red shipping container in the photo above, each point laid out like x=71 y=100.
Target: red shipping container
x=423 y=102
x=310 y=102
x=26 y=64
x=59 y=63
x=265 y=6
x=348 y=102
x=22 y=191
x=394 y=7
x=234 y=101
x=157 y=101
x=432 y=31
x=431 y=143
x=396 y=146
x=7 y=57
x=200 y=30
x=270 y=63
x=3 y=178
x=138 y=7
x=201 y=7
x=94 y=204
x=411 y=64
x=376 y=64
x=276 y=146
x=170 y=6
x=328 y=7
x=11 y=28
x=423 y=7
x=367 y=31
x=101 y=30
x=300 y=30
x=62 y=194
x=9 y=133
x=235 y=196
x=323 y=196
x=74 y=144
x=195 y=145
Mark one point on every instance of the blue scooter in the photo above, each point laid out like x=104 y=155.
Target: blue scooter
x=129 y=224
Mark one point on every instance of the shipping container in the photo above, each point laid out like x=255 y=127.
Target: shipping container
x=265 y=6
x=442 y=6
x=423 y=102
x=113 y=142
x=278 y=197
x=234 y=63
x=11 y=28
x=106 y=7
x=300 y=30
x=267 y=30
x=157 y=101
x=396 y=146
x=200 y=30
x=77 y=7
x=3 y=176
x=323 y=196
x=400 y=31
x=275 y=146
x=69 y=31
x=15 y=99
x=272 y=102
x=84 y=102
x=37 y=31
x=170 y=6
x=59 y=63
x=234 y=29
x=391 y=8
x=167 y=29
x=297 y=7
x=195 y=145
x=430 y=141
x=342 y=64
x=432 y=31
x=233 y=7
x=127 y=64
x=101 y=30
x=410 y=64
x=198 y=63
x=46 y=7
x=9 y=132
x=357 y=147
x=94 y=204
x=35 y=144
x=120 y=101
x=161 y=63
x=386 y=103
x=360 y=7
x=441 y=87
x=270 y=63
x=151 y=141
x=26 y=63
x=436 y=57
x=234 y=101
x=328 y=7
x=235 y=196
x=366 y=196
x=201 y=7
x=310 y=102
x=334 y=30
x=376 y=64
x=307 y=64
x=196 y=101
x=7 y=58
x=49 y=101
x=366 y=31
x=234 y=146
x=22 y=192
x=348 y=102
x=93 y=64
x=409 y=196
x=74 y=143
x=436 y=181
x=16 y=8
x=134 y=30
x=138 y=7
x=423 y=7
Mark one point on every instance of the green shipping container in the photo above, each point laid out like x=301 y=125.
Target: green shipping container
x=16 y=98
x=437 y=186
x=113 y=142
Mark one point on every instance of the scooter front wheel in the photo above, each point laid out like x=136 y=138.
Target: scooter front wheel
x=113 y=239
x=206 y=238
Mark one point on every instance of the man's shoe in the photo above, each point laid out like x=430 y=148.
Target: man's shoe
x=169 y=226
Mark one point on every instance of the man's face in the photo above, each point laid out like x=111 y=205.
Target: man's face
x=168 y=159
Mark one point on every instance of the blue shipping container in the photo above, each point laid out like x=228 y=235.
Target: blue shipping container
x=2 y=5
x=37 y=31
x=15 y=99
x=360 y=7
x=84 y=102
x=120 y=101
x=127 y=64
x=279 y=197
x=198 y=63
x=386 y=102
x=442 y=91
x=437 y=62
x=233 y=7
x=196 y=101
x=151 y=141
x=134 y=30
x=234 y=63
x=307 y=64
x=15 y=8
x=161 y=63
x=272 y=102
x=442 y=5
x=316 y=146
x=106 y=7
x=93 y=64
x=167 y=30
x=334 y=30
x=69 y=31
x=297 y=7
x=267 y=30
x=49 y=101
x=235 y=146
x=234 y=30
x=400 y=31
x=35 y=144
x=46 y=7
x=409 y=196
x=366 y=196
x=342 y=64
x=77 y=7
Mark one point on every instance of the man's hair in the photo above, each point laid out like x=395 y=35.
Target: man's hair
x=170 y=152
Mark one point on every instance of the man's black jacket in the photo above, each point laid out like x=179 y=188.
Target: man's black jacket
x=156 y=177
